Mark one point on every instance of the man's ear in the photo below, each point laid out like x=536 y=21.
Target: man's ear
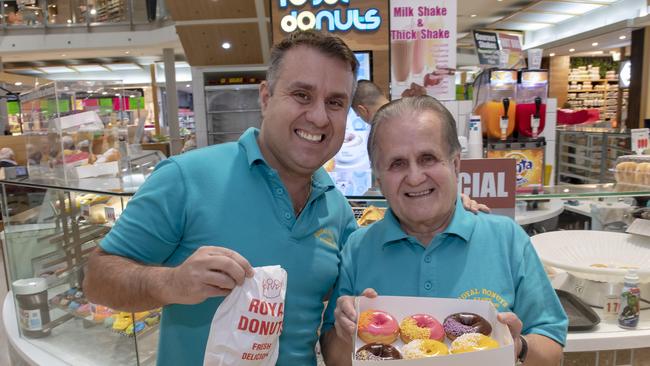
x=363 y=112
x=265 y=95
x=457 y=164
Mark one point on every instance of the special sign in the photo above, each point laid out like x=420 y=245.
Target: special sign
x=489 y=181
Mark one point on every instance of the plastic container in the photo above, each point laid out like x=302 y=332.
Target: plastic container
x=33 y=310
x=633 y=169
x=630 y=308
x=492 y=114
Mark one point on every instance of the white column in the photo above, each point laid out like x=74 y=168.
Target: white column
x=172 y=101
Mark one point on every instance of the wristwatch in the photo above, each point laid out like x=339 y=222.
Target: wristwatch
x=521 y=357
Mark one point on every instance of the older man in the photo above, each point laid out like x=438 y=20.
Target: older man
x=427 y=245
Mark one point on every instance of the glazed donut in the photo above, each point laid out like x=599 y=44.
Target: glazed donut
x=421 y=348
x=378 y=352
x=458 y=324
x=471 y=342
x=421 y=326
x=376 y=326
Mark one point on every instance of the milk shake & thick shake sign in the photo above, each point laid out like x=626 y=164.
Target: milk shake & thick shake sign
x=423 y=46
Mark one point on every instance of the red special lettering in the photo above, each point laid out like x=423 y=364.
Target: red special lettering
x=261 y=346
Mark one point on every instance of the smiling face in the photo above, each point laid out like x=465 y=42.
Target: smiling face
x=415 y=172
x=304 y=116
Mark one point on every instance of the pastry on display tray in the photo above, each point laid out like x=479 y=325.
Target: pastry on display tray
x=73 y=301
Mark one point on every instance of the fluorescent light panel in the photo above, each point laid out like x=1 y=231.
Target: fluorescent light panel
x=127 y=66
x=568 y=7
x=56 y=69
x=89 y=68
x=522 y=26
x=540 y=17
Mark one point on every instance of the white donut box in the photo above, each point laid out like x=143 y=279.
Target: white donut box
x=401 y=307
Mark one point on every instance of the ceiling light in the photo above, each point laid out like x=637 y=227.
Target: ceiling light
x=225 y=45
x=69 y=21
x=104 y=93
x=127 y=52
x=473 y=16
x=18 y=83
x=117 y=95
x=552 y=54
x=89 y=68
x=54 y=6
x=188 y=85
x=89 y=91
x=6 y=5
x=571 y=49
x=597 y=52
x=93 y=11
x=132 y=96
x=595 y=44
x=622 y=37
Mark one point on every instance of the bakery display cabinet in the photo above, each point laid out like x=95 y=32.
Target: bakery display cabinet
x=50 y=227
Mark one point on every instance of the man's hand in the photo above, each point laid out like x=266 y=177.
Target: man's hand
x=210 y=271
x=345 y=315
x=473 y=206
x=515 y=326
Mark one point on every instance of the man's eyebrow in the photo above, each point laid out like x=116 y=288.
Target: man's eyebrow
x=301 y=85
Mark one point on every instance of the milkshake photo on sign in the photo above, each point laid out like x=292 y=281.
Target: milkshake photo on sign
x=423 y=47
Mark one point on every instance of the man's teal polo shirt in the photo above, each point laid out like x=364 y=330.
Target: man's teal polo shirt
x=227 y=195
x=486 y=257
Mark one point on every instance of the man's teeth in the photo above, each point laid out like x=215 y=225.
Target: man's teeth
x=420 y=194
x=310 y=137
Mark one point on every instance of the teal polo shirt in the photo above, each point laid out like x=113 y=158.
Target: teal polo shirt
x=481 y=257
x=227 y=195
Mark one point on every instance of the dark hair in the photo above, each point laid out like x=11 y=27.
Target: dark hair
x=420 y=104
x=329 y=45
x=367 y=93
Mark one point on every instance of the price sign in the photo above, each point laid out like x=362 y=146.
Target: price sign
x=611 y=306
x=110 y=213
x=640 y=137
x=85 y=210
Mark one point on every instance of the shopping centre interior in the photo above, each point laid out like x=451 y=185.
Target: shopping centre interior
x=94 y=93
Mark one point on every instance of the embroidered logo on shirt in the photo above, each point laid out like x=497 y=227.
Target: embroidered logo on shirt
x=486 y=295
x=327 y=237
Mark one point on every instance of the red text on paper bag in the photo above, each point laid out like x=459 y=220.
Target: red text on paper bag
x=491 y=182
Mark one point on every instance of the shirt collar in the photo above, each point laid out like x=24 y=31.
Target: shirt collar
x=462 y=225
x=321 y=181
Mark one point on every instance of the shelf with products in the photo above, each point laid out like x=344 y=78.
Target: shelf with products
x=50 y=227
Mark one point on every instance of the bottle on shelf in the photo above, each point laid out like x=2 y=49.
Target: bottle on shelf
x=630 y=308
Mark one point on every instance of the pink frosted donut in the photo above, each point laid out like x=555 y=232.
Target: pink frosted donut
x=376 y=326
x=421 y=326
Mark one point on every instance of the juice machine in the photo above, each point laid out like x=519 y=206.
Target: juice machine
x=495 y=92
x=532 y=91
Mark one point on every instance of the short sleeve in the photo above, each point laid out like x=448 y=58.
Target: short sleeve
x=536 y=303
x=151 y=226
x=344 y=283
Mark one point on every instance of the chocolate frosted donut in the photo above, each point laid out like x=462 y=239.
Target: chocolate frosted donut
x=458 y=324
x=378 y=352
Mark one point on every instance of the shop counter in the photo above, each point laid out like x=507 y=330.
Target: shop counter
x=550 y=210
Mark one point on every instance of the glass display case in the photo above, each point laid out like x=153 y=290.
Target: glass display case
x=78 y=129
x=50 y=228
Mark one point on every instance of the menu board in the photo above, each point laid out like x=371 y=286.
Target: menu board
x=423 y=47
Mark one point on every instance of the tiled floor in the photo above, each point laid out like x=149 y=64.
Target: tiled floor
x=4 y=350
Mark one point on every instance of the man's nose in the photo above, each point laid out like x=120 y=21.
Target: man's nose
x=415 y=175
x=317 y=114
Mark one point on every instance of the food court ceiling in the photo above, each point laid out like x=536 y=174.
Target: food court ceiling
x=491 y=14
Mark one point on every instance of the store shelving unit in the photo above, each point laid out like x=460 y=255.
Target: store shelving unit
x=589 y=155
x=231 y=109
x=600 y=93
x=111 y=11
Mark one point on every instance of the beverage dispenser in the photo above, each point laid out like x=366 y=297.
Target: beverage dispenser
x=532 y=90
x=495 y=102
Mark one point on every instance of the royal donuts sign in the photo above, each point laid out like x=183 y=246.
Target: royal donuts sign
x=329 y=15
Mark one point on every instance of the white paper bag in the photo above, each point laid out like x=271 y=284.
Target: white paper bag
x=247 y=325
